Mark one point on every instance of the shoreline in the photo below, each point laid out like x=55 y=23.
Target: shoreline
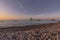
x=28 y=27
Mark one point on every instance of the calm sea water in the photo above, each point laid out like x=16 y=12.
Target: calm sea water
x=22 y=23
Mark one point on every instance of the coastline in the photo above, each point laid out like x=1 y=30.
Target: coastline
x=28 y=27
x=40 y=31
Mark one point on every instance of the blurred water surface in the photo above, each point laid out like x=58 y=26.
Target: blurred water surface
x=23 y=23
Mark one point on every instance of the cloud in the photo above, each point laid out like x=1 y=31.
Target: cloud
x=22 y=8
x=20 y=4
x=47 y=15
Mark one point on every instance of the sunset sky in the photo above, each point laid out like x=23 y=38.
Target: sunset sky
x=24 y=9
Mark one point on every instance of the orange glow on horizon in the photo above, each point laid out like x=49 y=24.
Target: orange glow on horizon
x=12 y=17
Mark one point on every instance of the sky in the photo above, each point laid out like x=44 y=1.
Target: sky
x=24 y=9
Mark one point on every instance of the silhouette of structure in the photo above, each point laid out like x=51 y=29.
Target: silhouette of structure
x=31 y=19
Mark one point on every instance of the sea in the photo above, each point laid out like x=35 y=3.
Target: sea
x=10 y=23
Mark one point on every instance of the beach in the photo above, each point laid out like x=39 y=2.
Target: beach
x=40 y=31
